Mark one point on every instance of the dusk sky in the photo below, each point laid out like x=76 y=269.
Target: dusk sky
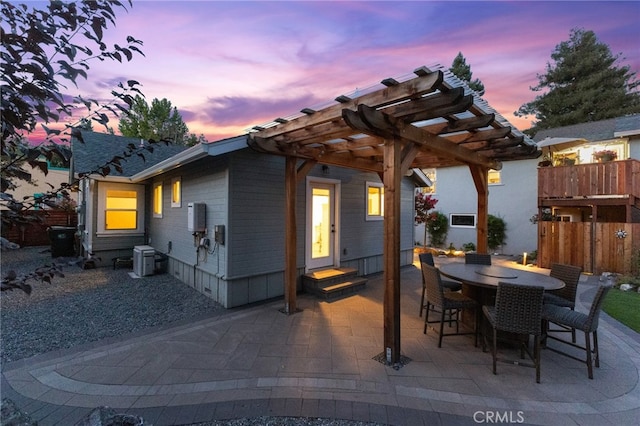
x=228 y=66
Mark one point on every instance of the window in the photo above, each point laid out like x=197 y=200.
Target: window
x=375 y=201
x=462 y=220
x=494 y=177
x=120 y=209
x=157 y=200
x=431 y=174
x=176 y=192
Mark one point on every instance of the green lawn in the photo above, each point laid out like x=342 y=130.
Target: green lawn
x=624 y=306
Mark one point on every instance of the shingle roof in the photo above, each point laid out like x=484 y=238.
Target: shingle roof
x=99 y=148
x=593 y=131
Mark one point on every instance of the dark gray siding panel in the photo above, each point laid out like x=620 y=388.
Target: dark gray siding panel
x=256 y=214
x=204 y=181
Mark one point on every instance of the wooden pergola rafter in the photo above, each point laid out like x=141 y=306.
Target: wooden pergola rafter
x=429 y=120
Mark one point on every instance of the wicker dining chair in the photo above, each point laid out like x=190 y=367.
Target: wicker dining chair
x=518 y=310
x=447 y=303
x=477 y=259
x=566 y=296
x=427 y=259
x=588 y=323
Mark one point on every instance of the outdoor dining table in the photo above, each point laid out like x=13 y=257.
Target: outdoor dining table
x=480 y=282
x=488 y=276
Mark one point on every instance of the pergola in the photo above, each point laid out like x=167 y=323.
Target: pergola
x=429 y=119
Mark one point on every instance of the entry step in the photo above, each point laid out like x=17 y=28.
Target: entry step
x=333 y=282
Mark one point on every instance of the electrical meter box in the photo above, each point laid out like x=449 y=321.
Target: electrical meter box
x=196 y=214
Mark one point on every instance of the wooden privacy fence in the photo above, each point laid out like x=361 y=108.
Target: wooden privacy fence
x=597 y=247
x=35 y=233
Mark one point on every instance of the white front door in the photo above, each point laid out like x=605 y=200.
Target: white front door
x=322 y=227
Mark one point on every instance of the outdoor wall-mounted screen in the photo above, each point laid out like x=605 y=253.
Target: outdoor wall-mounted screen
x=462 y=220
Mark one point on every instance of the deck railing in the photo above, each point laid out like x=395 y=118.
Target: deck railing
x=614 y=178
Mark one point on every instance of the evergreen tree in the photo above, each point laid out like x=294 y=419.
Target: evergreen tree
x=582 y=84
x=461 y=70
x=160 y=121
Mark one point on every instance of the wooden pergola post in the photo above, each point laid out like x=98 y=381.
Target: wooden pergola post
x=392 y=178
x=290 y=189
x=480 y=180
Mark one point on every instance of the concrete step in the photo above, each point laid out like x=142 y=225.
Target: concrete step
x=342 y=289
x=333 y=282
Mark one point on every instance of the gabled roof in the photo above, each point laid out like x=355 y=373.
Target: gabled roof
x=92 y=150
x=595 y=130
x=223 y=146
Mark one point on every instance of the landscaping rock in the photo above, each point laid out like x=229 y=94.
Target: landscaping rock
x=107 y=416
x=12 y=416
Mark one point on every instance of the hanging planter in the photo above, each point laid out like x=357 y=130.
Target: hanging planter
x=605 y=155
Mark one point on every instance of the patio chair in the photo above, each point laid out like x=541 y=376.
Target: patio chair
x=588 y=323
x=427 y=258
x=447 y=303
x=566 y=296
x=477 y=259
x=518 y=310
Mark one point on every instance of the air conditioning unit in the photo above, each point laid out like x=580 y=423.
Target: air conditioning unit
x=143 y=260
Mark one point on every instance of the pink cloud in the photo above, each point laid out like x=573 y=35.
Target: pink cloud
x=231 y=65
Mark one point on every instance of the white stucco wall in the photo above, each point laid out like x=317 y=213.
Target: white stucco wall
x=515 y=201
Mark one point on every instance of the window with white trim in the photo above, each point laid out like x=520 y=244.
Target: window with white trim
x=176 y=192
x=157 y=199
x=120 y=208
x=494 y=177
x=375 y=201
x=431 y=174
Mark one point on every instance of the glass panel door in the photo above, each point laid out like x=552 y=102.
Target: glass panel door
x=321 y=226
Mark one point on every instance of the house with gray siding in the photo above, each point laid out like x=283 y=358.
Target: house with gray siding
x=231 y=248
x=512 y=197
x=112 y=210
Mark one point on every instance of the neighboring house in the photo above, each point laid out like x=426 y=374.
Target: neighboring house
x=113 y=213
x=32 y=231
x=515 y=197
x=235 y=254
x=512 y=197
x=55 y=177
x=589 y=205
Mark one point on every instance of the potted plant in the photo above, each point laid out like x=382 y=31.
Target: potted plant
x=605 y=155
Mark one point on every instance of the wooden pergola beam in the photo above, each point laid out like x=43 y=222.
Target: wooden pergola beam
x=369 y=120
x=390 y=95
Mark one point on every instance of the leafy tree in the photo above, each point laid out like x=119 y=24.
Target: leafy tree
x=158 y=121
x=438 y=228
x=461 y=70
x=424 y=203
x=582 y=84
x=194 y=140
x=85 y=124
x=43 y=52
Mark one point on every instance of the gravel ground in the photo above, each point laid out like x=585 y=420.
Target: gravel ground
x=87 y=305
x=90 y=305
